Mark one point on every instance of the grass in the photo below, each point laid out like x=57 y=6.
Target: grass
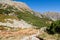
x=32 y=19
x=3 y=17
x=47 y=36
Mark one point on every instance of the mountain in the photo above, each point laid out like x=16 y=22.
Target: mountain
x=19 y=5
x=52 y=15
x=19 y=22
x=18 y=14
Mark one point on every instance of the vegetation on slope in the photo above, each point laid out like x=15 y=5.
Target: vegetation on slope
x=3 y=17
x=32 y=19
x=27 y=16
x=54 y=27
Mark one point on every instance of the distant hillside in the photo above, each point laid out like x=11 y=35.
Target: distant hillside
x=52 y=15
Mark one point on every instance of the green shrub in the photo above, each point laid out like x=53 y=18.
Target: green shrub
x=54 y=27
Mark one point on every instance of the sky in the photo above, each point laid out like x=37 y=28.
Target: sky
x=43 y=5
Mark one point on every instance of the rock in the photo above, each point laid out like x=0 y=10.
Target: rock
x=30 y=38
x=15 y=23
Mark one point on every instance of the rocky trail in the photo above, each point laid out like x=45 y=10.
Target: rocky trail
x=24 y=34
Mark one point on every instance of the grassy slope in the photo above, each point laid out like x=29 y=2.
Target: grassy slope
x=27 y=16
x=30 y=18
x=3 y=17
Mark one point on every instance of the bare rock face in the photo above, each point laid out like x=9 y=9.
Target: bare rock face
x=16 y=24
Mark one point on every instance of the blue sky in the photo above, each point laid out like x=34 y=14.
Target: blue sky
x=43 y=5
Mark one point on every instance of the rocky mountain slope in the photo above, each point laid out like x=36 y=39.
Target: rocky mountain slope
x=19 y=5
x=20 y=11
x=19 y=22
x=53 y=15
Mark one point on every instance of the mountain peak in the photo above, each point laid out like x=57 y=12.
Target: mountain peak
x=19 y=5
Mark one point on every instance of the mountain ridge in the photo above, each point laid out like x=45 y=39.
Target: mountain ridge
x=53 y=15
x=24 y=13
